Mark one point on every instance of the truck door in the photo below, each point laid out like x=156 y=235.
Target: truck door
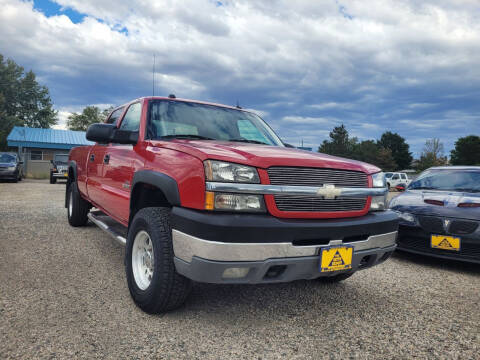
x=95 y=172
x=95 y=168
x=118 y=168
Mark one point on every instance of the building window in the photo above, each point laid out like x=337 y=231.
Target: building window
x=36 y=155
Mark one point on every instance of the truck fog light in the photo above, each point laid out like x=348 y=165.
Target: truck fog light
x=235 y=273
x=379 y=203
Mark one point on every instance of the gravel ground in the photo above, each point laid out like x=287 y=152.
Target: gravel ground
x=63 y=294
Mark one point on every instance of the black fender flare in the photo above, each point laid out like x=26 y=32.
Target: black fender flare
x=72 y=164
x=163 y=182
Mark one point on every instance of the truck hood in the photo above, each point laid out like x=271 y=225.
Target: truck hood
x=262 y=156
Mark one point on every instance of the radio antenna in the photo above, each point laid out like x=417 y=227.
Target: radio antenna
x=153 y=76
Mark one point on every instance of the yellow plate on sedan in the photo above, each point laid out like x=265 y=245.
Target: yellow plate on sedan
x=445 y=242
x=336 y=258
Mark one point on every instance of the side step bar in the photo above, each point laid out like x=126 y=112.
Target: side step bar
x=108 y=229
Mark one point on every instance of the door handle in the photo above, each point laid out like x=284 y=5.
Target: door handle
x=106 y=159
x=92 y=158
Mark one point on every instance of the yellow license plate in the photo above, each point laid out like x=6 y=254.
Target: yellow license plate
x=445 y=242
x=66 y=174
x=336 y=259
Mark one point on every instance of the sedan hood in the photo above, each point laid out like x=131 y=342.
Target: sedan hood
x=262 y=156
x=413 y=201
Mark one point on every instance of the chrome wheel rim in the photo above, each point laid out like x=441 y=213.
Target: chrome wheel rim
x=70 y=206
x=142 y=260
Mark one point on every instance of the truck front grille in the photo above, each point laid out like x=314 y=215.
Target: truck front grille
x=317 y=177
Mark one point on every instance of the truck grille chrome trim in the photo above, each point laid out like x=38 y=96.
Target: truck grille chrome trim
x=327 y=191
x=187 y=246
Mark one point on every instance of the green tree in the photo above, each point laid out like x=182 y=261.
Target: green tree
x=340 y=143
x=467 y=151
x=23 y=101
x=369 y=151
x=399 y=148
x=432 y=155
x=90 y=115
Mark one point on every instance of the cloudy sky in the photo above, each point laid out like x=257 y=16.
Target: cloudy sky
x=401 y=65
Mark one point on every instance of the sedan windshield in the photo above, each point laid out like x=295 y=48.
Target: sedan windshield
x=467 y=180
x=185 y=120
x=7 y=158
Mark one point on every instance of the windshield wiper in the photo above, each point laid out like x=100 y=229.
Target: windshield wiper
x=464 y=190
x=186 y=136
x=423 y=188
x=248 y=141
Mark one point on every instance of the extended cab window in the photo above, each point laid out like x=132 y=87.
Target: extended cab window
x=115 y=116
x=178 y=119
x=404 y=177
x=131 y=120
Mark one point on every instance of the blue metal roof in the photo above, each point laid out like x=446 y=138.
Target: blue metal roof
x=46 y=138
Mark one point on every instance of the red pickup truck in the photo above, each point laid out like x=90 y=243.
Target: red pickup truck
x=207 y=192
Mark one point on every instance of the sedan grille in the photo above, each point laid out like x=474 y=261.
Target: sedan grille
x=431 y=224
x=462 y=227
x=317 y=177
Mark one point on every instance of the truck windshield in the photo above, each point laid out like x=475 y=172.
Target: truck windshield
x=448 y=180
x=185 y=120
x=61 y=158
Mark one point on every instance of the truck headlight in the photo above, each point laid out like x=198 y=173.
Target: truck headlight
x=234 y=202
x=222 y=171
x=378 y=180
x=379 y=203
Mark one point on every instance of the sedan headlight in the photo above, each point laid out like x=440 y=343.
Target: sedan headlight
x=222 y=171
x=379 y=203
x=406 y=218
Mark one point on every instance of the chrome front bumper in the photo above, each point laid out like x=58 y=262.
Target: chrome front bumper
x=187 y=246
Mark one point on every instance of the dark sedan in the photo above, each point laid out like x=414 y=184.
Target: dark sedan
x=11 y=167
x=440 y=214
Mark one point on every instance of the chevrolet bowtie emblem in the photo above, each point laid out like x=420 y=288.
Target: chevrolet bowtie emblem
x=329 y=191
x=446 y=223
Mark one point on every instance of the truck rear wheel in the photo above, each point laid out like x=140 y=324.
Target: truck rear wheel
x=77 y=207
x=153 y=282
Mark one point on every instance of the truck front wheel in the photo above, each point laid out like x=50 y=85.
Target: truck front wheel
x=77 y=207
x=153 y=282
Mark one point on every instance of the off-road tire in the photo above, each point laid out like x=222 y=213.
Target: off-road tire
x=335 y=278
x=168 y=289
x=78 y=211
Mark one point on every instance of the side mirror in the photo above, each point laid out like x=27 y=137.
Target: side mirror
x=20 y=162
x=101 y=133
x=108 y=133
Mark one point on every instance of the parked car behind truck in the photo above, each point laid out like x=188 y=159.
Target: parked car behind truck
x=209 y=193
x=59 y=168
x=11 y=166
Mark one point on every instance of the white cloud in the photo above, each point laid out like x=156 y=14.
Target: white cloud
x=382 y=62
